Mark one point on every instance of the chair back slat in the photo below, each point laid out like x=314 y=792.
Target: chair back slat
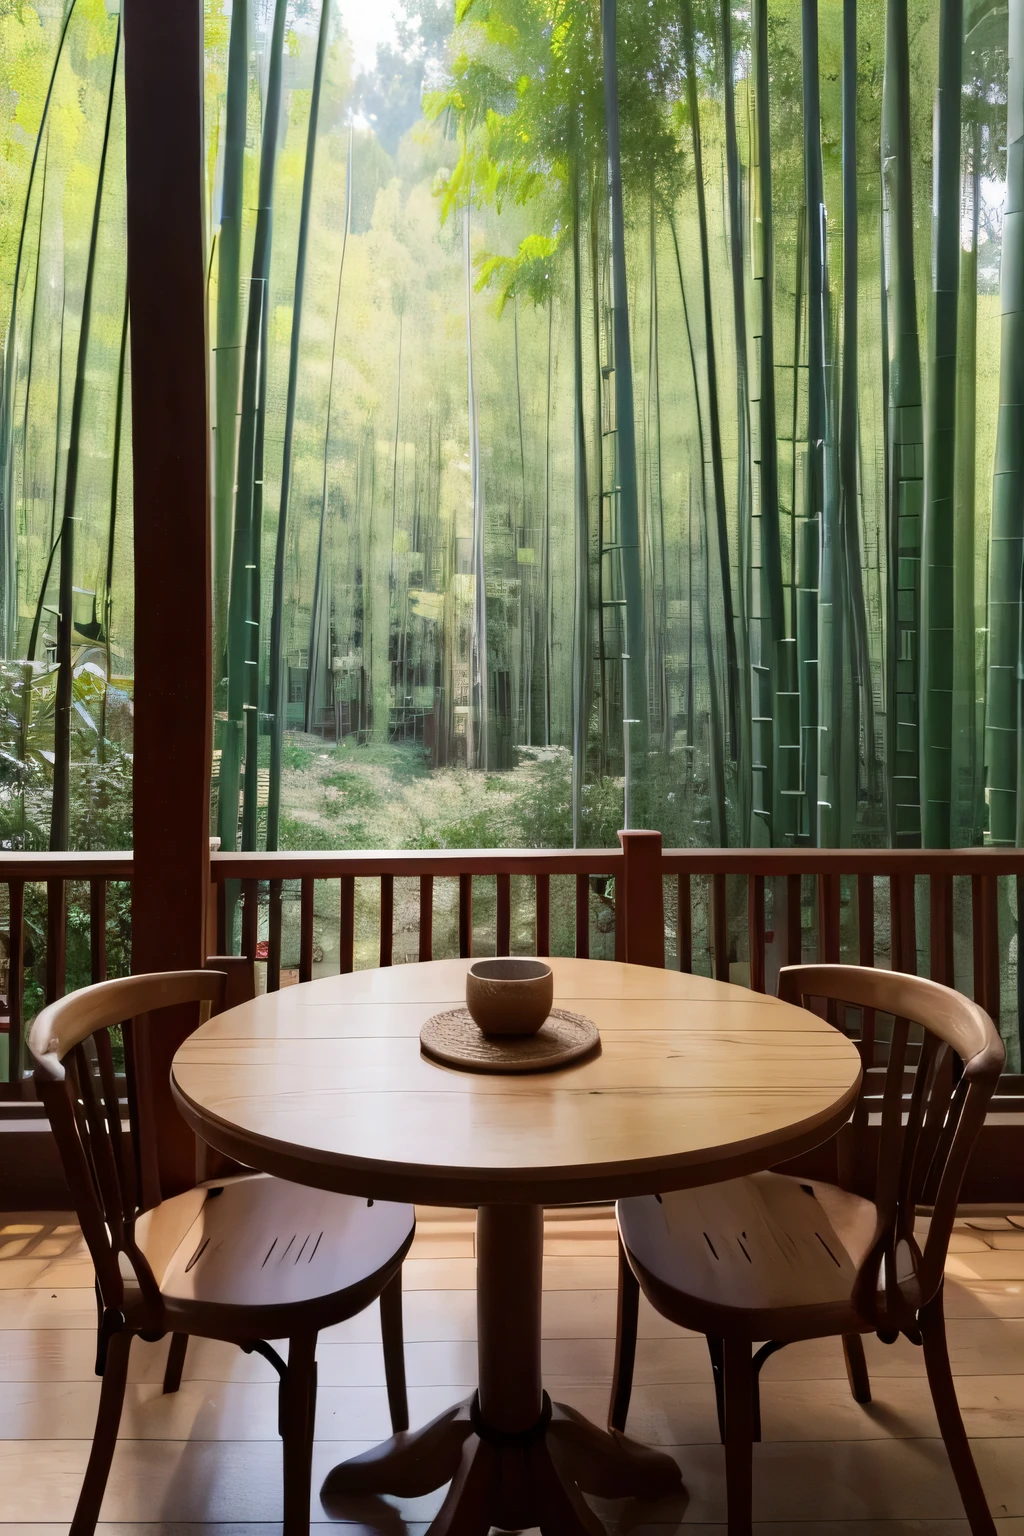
x=110 y=1170
x=934 y=1097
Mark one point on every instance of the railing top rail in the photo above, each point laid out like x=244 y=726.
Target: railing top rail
x=844 y=861
x=67 y=866
x=324 y=864
x=327 y=864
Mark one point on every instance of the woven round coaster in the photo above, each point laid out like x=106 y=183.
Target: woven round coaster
x=456 y=1040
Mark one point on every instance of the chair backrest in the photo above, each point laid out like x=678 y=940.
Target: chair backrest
x=928 y=1099
x=110 y=1169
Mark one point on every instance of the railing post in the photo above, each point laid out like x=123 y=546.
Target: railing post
x=166 y=249
x=642 y=894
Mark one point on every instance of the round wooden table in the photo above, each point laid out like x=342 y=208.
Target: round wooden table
x=695 y=1081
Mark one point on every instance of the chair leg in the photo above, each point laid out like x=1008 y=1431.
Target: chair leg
x=940 y=1379
x=175 y=1362
x=739 y=1435
x=394 y=1352
x=104 y=1439
x=717 y=1367
x=297 y=1418
x=856 y=1367
x=625 y=1343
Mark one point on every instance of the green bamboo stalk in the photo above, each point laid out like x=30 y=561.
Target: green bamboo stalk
x=862 y=703
x=968 y=781
x=242 y=646
x=744 y=488
x=313 y=656
x=581 y=530
x=659 y=583
x=714 y=419
x=479 y=679
x=276 y=706
x=60 y=813
x=906 y=442
x=716 y=763
x=716 y=735
x=229 y=324
x=818 y=618
x=548 y=656
x=8 y=538
x=625 y=423
x=940 y=445
x=29 y=370
x=115 y=476
x=598 y=478
x=1004 y=713
x=773 y=611
x=250 y=781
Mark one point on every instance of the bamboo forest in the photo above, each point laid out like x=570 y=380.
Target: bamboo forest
x=615 y=406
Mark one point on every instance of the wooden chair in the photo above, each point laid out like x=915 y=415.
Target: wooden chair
x=244 y=1259
x=779 y=1259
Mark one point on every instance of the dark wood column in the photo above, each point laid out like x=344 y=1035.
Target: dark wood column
x=166 y=283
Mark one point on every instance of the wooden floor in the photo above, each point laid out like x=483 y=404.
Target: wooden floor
x=206 y=1461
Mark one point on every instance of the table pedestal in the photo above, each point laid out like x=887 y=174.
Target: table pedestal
x=513 y=1458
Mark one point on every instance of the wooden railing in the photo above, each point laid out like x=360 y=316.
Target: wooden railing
x=736 y=914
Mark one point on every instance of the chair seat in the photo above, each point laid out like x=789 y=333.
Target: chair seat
x=782 y=1251
x=260 y=1242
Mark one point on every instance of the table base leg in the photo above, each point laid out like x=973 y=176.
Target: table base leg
x=509 y=1481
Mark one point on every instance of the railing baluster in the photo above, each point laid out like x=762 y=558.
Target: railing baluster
x=829 y=952
x=985 y=915
x=866 y=956
x=582 y=917
x=16 y=981
x=940 y=896
x=619 y=887
x=903 y=923
x=250 y=918
x=426 y=917
x=720 y=927
x=275 y=917
x=866 y=919
x=755 y=930
x=56 y=938
x=222 y=919
x=542 y=941
x=306 y=890
x=794 y=920
x=347 y=927
x=503 y=935
x=98 y=929
x=466 y=917
x=387 y=918
x=684 y=924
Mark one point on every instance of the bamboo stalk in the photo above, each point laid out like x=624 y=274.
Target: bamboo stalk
x=277 y=701
x=744 y=489
x=60 y=813
x=773 y=616
x=242 y=651
x=229 y=325
x=937 y=538
x=625 y=424
x=313 y=656
x=714 y=419
x=905 y=433
x=8 y=539
x=1003 y=711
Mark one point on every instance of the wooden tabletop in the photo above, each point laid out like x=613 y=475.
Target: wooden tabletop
x=696 y=1080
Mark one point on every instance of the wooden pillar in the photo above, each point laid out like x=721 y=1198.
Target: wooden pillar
x=644 y=898
x=170 y=437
